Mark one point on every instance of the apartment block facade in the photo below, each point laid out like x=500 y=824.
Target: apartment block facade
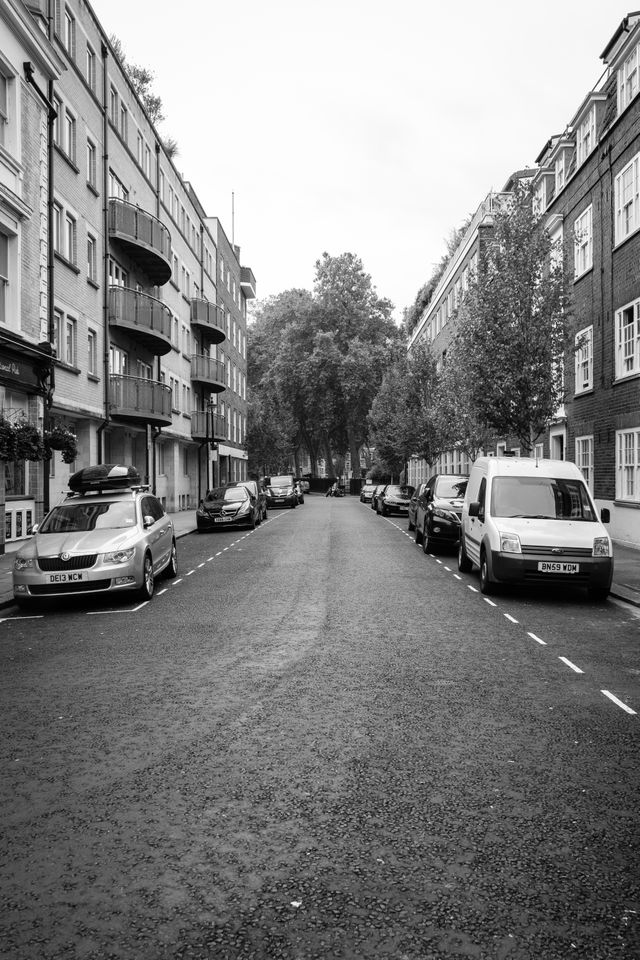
x=147 y=367
x=587 y=194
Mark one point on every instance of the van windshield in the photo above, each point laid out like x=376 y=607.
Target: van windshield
x=540 y=498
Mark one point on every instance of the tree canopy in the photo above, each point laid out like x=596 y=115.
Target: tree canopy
x=141 y=80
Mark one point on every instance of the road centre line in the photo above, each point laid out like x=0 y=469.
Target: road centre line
x=571 y=665
x=618 y=703
x=537 y=639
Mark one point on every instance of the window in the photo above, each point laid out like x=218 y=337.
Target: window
x=628 y=465
x=91 y=164
x=559 y=172
x=4 y=275
x=92 y=352
x=117 y=188
x=92 y=259
x=124 y=122
x=70 y=238
x=584 y=360
x=586 y=137
x=4 y=106
x=627 y=200
x=69 y=33
x=113 y=106
x=161 y=186
x=628 y=340
x=540 y=196
x=65 y=332
x=118 y=361
x=584 y=459
x=139 y=150
x=117 y=275
x=91 y=68
x=556 y=253
x=57 y=228
x=57 y=122
x=583 y=239
x=628 y=79
x=70 y=135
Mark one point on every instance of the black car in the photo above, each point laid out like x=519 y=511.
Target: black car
x=281 y=491
x=394 y=499
x=413 y=505
x=256 y=490
x=366 y=493
x=438 y=511
x=229 y=506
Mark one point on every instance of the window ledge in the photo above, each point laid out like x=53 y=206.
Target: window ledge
x=94 y=190
x=627 y=504
x=93 y=377
x=67 y=158
x=93 y=283
x=630 y=376
x=67 y=263
x=68 y=367
x=587 y=392
x=620 y=243
x=586 y=273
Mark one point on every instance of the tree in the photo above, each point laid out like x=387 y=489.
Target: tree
x=454 y=413
x=513 y=330
x=141 y=80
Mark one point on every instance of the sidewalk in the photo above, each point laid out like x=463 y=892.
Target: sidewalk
x=625 y=586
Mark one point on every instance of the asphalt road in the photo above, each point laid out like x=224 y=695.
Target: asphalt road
x=316 y=743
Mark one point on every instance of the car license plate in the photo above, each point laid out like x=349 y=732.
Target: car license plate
x=67 y=577
x=548 y=566
x=223 y=519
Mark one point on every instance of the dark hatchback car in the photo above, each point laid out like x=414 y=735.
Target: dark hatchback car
x=438 y=509
x=377 y=490
x=230 y=506
x=394 y=499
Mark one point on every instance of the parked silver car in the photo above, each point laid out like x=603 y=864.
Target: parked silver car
x=101 y=539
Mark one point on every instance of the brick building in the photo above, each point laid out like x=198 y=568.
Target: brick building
x=144 y=351
x=587 y=193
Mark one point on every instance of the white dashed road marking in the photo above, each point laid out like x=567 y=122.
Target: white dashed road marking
x=618 y=703
x=537 y=639
x=572 y=666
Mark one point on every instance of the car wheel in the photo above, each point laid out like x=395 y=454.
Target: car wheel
x=598 y=594
x=464 y=564
x=417 y=536
x=148 y=581
x=410 y=526
x=384 y=511
x=171 y=569
x=487 y=585
x=427 y=541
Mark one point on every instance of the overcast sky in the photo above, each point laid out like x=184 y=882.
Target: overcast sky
x=370 y=126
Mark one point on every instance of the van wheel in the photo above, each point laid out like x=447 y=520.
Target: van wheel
x=464 y=564
x=598 y=594
x=487 y=585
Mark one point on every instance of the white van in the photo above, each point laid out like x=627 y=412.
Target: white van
x=533 y=521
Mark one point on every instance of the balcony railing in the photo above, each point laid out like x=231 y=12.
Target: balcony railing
x=135 y=398
x=145 y=238
x=206 y=316
x=206 y=425
x=208 y=371
x=145 y=318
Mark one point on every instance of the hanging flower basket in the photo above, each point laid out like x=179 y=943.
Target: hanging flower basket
x=29 y=442
x=7 y=440
x=61 y=438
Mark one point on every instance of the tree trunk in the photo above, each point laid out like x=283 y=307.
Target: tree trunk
x=354 y=450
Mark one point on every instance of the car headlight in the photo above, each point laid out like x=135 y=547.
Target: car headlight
x=445 y=514
x=119 y=556
x=601 y=547
x=245 y=507
x=510 y=543
x=21 y=563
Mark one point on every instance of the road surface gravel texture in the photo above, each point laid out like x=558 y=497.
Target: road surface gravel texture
x=321 y=743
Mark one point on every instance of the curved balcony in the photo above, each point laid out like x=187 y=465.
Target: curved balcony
x=144 y=237
x=208 y=426
x=144 y=401
x=145 y=318
x=209 y=372
x=206 y=317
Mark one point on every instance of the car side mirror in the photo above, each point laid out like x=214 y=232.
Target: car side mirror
x=148 y=520
x=605 y=515
x=32 y=529
x=474 y=508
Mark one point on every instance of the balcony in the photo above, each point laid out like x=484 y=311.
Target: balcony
x=205 y=316
x=143 y=317
x=145 y=239
x=144 y=401
x=209 y=372
x=248 y=282
x=215 y=429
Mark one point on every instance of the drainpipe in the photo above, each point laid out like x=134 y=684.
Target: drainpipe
x=105 y=264
x=47 y=99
